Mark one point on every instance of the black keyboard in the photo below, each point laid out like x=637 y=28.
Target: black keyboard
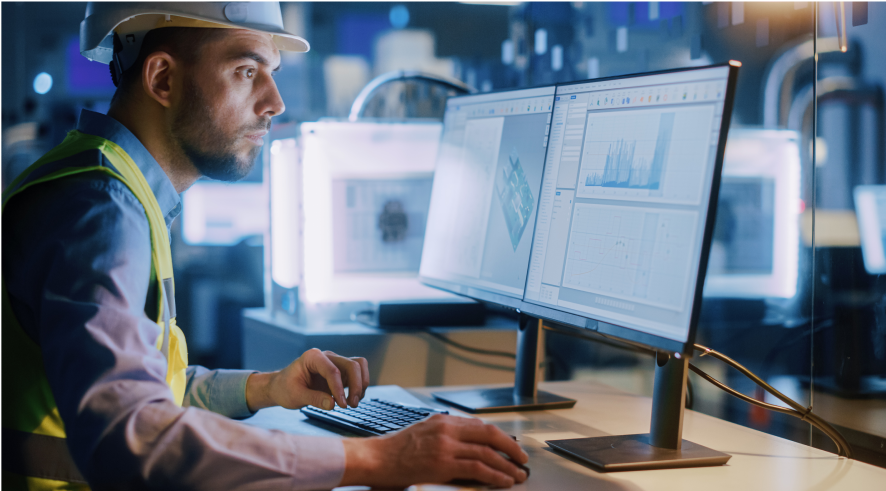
x=373 y=417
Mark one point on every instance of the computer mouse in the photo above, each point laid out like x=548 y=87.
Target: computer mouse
x=524 y=468
x=474 y=483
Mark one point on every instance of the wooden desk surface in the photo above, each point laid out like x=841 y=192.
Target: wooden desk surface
x=759 y=461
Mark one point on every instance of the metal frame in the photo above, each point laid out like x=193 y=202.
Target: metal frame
x=402 y=75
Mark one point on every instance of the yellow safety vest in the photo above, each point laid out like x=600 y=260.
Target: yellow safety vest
x=35 y=453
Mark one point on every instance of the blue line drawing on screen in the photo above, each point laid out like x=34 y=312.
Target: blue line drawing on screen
x=515 y=197
x=652 y=154
x=622 y=170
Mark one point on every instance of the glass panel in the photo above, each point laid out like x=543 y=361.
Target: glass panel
x=849 y=321
x=758 y=297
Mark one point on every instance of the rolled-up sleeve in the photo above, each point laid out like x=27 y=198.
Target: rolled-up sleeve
x=219 y=391
x=77 y=263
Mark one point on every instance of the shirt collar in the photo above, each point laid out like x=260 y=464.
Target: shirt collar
x=97 y=124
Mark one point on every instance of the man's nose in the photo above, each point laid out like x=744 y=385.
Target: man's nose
x=272 y=104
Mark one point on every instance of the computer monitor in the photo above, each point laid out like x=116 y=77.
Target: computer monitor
x=482 y=217
x=756 y=245
x=870 y=208
x=624 y=224
x=624 y=218
x=366 y=189
x=485 y=194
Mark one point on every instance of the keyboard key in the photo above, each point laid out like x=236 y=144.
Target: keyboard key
x=348 y=418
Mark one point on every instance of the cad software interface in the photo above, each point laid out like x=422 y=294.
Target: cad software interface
x=624 y=199
x=486 y=188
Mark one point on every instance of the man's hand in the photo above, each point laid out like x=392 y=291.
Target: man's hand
x=317 y=378
x=437 y=450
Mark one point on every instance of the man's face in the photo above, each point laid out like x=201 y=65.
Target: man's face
x=227 y=99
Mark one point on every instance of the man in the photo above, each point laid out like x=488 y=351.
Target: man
x=96 y=386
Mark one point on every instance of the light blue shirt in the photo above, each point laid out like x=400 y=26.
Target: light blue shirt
x=76 y=265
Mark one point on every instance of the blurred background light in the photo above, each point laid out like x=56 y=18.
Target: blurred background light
x=399 y=16
x=42 y=83
x=541 y=41
x=507 y=52
x=557 y=58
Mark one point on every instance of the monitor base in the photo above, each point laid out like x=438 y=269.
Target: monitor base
x=502 y=400
x=633 y=452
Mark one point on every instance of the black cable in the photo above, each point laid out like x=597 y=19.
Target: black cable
x=360 y=317
x=796 y=409
x=471 y=349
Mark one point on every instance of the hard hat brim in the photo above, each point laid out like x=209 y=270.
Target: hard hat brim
x=95 y=28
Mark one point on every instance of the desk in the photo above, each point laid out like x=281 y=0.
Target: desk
x=759 y=461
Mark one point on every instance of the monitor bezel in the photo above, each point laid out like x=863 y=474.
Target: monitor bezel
x=609 y=329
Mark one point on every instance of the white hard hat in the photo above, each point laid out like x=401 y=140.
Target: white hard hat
x=128 y=22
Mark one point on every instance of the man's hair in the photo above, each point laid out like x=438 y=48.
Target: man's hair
x=183 y=43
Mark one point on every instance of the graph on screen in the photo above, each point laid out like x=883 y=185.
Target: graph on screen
x=637 y=254
x=658 y=154
x=623 y=170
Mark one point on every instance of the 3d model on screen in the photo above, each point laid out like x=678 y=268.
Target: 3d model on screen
x=515 y=197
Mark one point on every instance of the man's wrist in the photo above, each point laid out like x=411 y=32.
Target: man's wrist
x=362 y=461
x=258 y=393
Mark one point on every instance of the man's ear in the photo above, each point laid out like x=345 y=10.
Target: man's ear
x=157 y=77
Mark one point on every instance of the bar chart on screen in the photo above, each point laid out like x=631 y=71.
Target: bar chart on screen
x=656 y=154
x=637 y=254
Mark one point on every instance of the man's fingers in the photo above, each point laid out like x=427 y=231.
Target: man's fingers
x=364 y=365
x=491 y=458
x=477 y=470
x=353 y=373
x=495 y=438
x=320 y=399
x=318 y=362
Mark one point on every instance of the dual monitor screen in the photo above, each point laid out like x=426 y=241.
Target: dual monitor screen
x=587 y=203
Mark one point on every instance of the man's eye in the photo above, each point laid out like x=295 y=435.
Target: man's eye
x=248 y=72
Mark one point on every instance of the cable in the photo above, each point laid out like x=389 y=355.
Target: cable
x=809 y=417
x=796 y=409
x=360 y=317
x=601 y=338
x=471 y=349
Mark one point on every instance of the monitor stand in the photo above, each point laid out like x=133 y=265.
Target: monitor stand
x=524 y=395
x=661 y=448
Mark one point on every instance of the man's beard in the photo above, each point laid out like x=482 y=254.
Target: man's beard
x=196 y=131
